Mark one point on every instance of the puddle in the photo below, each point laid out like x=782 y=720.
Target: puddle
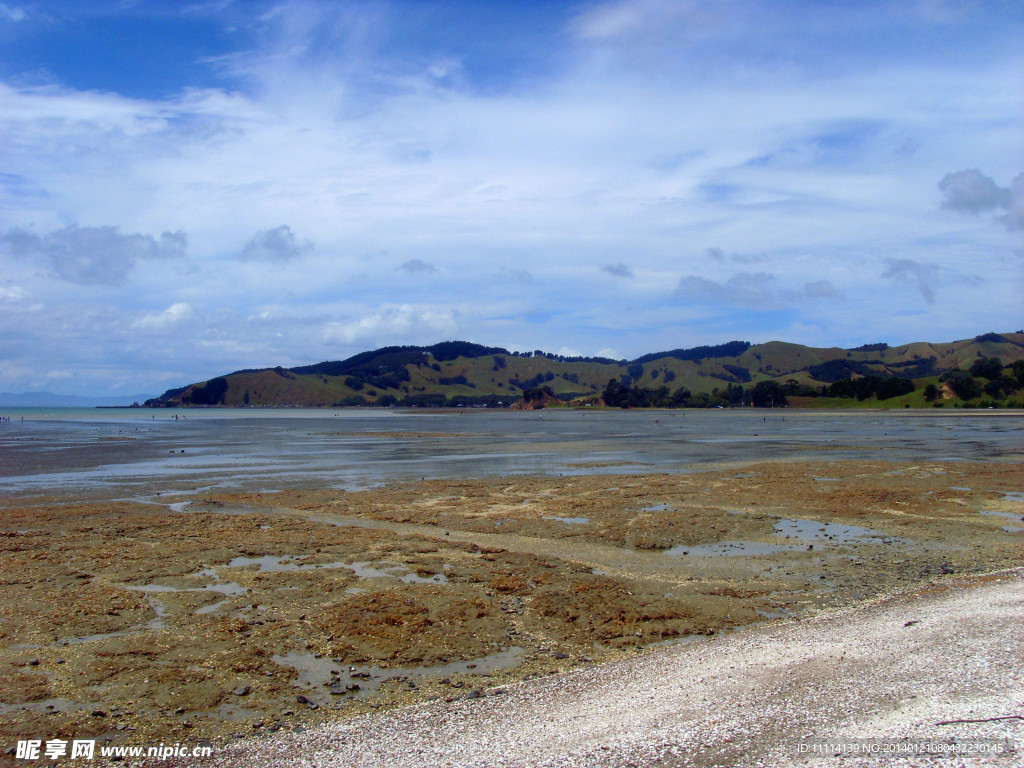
x=157 y=588
x=179 y=506
x=1011 y=515
x=1012 y=528
x=827 y=479
x=803 y=531
x=326 y=680
x=728 y=549
x=365 y=570
x=812 y=530
x=1013 y=495
x=212 y=608
x=227 y=588
x=959 y=488
x=657 y=508
x=569 y=520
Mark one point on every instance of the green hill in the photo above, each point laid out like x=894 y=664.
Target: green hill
x=455 y=373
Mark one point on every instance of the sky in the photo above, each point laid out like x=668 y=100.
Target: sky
x=189 y=188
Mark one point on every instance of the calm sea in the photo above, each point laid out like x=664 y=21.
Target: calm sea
x=139 y=452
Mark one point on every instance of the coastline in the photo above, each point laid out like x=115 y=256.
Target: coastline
x=940 y=664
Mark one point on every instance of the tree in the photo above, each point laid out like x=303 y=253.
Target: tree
x=963 y=385
x=986 y=368
x=931 y=393
x=894 y=386
x=768 y=394
x=1001 y=386
x=1018 y=371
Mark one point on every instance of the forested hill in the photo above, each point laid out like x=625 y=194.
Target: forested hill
x=988 y=369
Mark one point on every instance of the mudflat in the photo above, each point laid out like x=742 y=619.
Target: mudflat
x=228 y=614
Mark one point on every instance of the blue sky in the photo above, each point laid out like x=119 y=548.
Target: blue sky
x=189 y=188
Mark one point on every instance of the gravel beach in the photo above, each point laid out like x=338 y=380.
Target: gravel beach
x=894 y=670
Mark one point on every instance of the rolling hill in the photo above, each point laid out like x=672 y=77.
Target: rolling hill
x=455 y=373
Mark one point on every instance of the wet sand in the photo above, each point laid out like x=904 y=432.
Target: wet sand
x=227 y=614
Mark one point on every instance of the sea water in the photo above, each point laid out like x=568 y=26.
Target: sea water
x=141 y=451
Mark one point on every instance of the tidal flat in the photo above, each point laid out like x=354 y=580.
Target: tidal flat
x=235 y=608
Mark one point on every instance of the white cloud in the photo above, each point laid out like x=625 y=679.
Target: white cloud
x=12 y=293
x=402 y=322
x=12 y=14
x=173 y=315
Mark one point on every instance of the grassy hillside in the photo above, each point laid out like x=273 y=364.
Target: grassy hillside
x=461 y=373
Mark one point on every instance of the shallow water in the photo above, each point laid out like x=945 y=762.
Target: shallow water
x=812 y=530
x=728 y=549
x=72 y=450
x=317 y=675
x=1011 y=515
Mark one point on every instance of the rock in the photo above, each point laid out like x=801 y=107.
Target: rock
x=242 y=690
x=476 y=693
x=301 y=699
x=338 y=690
x=98 y=713
x=561 y=655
